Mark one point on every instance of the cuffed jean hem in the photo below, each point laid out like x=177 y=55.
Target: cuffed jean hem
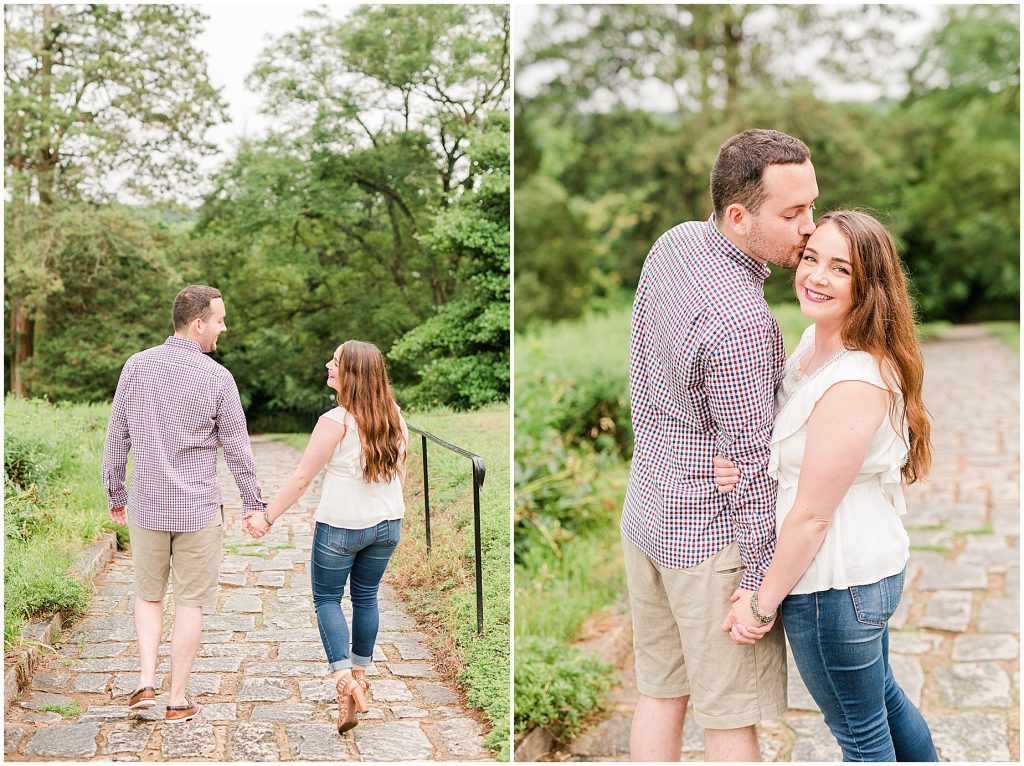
x=361 y=662
x=341 y=665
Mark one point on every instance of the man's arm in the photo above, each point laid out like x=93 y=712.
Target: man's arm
x=115 y=449
x=740 y=385
x=234 y=437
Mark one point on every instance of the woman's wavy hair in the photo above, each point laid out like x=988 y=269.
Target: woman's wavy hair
x=365 y=391
x=882 y=323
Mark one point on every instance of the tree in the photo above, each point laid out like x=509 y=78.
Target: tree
x=705 y=56
x=97 y=99
x=338 y=224
x=390 y=71
x=462 y=352
x=960 y=202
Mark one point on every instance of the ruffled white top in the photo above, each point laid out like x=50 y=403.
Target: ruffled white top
x=348 y=501
x=866 y=541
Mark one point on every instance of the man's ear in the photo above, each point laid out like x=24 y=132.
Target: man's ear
x=737 y=218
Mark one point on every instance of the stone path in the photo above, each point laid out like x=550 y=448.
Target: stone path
x=261 y=675
x=955 y=645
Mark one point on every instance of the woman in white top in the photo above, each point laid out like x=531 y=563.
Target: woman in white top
x=362 y=442
x=850 y=426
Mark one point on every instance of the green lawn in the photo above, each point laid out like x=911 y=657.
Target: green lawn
x=441 y=589
x=1008 y=332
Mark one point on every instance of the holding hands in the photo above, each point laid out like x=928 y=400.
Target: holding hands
x=739 y=622
x=256 y=525
x=741 y=625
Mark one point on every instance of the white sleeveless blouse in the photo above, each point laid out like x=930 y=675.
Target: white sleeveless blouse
x=866 y=541
x=347 y=501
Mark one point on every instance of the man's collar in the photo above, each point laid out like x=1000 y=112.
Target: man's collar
x=756 y=268
x=176 y=342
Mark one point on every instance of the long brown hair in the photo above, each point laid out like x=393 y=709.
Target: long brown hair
x=881 y=322
x=365 y=391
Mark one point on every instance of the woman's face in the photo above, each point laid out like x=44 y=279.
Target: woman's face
x=332 y=370
x=824 y=282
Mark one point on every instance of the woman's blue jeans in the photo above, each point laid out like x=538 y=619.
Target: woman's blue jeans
x=840 y=641
x=360 y=557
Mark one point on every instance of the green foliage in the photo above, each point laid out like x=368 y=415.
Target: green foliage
x=54 y=505
x=371 y=212
x=557 y=686
x=98 y=100
x=461 y=352
x=603 y=168
x=111 y=296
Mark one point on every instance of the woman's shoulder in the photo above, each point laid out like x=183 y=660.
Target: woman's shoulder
x=859 y=365
x=338 y=414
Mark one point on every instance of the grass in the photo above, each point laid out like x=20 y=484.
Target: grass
x=54 y=505
x=441 y=589
x=557 y=589
x=68 y=710
x=1008 y=332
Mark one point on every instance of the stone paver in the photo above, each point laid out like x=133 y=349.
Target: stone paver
x=955 y=639
x=261 y=676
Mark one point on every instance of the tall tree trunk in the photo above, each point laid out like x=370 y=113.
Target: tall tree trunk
x=23 y=325
x=21 y=340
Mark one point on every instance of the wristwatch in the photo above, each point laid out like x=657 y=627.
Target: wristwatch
x=764 y=619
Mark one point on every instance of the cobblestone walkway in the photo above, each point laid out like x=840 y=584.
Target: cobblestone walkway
x=955 y=645
x=261 y=676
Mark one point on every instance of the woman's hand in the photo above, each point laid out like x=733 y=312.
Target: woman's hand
x=258 y=526
x=740 y=622
x=726 y=474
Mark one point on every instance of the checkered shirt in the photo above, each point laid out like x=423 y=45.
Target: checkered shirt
x=706 y=356
x=172 y=406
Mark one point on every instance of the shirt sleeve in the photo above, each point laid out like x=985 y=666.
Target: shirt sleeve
x=118 y=443
x=741 y=397
x=234 y=437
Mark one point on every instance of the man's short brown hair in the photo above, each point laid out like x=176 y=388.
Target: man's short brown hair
x=738 y=173
x=193 y=303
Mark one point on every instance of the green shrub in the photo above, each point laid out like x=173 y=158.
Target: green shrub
x=557 y=686
x=24 y=514
x=29 y=460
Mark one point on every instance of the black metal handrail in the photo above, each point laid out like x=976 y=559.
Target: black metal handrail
x=479 y=471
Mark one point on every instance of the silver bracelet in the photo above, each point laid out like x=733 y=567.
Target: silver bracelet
x=762 y=618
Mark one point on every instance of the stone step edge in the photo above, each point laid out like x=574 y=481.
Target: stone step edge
x=611 y=647
x=38 y=634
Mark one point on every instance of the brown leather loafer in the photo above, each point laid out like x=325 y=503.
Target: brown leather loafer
x=142 y=699
x=182 y=713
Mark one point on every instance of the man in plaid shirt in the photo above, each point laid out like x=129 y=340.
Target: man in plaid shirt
x=172 y=408
x=706 y=356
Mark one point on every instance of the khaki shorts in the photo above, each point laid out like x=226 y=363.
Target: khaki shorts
x=681 y=649
x=192 y=557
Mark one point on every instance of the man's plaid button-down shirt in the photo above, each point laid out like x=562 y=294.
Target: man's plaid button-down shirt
x=706 y=356
x=172 y=406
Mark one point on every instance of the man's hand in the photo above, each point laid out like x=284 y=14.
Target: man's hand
x=726 y=474
x=117 y=516
x=740 y=623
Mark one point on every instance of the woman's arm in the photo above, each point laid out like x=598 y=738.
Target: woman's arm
x=839 y=432
x=402 y=467
x=322 y=442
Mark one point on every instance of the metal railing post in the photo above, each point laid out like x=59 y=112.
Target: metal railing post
x=479 y=472
x=426 y=491
x=478 y=479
